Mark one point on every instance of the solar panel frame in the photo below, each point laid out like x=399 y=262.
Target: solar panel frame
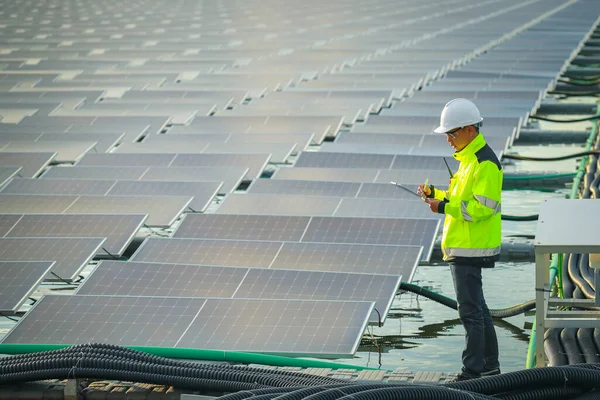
x=304 y=187
x=256 y=163
x=70 y=255
x=202 y=192
x=127 y=159
x=356 y=230
x=263 y=283
x=162 y=211
x=386 y=208
x=351 y=258
x=84 y=319
x=128 y=278
x=134 y=278
x=57 y=186
x=7 y=222
x=19 y=281
x=272 y=204
x=78 y=225
x=35 y=204
x=94 y=172
x=323 y=159
x=280 y=321
x=256 y=227
x=7 y=173
x=326 y=174
x=141 y=321
x=66 y=151
x=234 y=253
x=230 y=177
x=32 y=163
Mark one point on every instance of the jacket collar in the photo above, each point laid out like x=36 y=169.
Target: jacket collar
x=470 y=149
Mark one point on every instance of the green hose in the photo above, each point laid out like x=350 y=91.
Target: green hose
x=196 y=354
x=556 y=263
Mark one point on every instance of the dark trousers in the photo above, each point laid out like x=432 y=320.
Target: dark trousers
x=481 y=347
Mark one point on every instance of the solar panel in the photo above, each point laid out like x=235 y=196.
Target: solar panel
x=70 y=254
x=231 y=177
x=19 y=280
x=287 y=327
x=343 y=160
x=318 y=285
x=304 y=187
x=32 y=163
x=162 y=210
x=134 y=321
x=413 y=163
x=324 y=329
x=130 y=278
x=438 y=178
x=104 y=141
x=327 y=174
x=242 y=227
x=255 y=162
x=7 y=173
x=58 y=186
x=415 y=232
x=208 y=252
x=114 y=278
x=302 y=140
x=7 y=222
x=66 y=151
x=389 y=208
x=271 y=204
x=34 y=204
x=117 y=229
x=280 y=152
x=354 y=258
x=127 y=159
x=388 y=191
x=202 y=192
x=94 y=172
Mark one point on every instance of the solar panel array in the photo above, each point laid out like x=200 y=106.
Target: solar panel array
x=114 y=278
x=329 y=329
x=263 y=152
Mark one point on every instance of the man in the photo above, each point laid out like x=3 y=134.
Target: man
x=472 y=230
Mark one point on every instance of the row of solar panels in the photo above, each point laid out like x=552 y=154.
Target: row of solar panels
x=350 y=244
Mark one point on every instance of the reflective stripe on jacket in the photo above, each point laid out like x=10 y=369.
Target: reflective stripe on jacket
x=472 y=203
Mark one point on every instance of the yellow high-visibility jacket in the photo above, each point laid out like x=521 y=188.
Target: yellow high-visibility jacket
x=473 y=226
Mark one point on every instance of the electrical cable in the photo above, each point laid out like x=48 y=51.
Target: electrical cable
x=565 y=121
x=11 y=318
x=61 y=279
x=110 y=254
x=451 y=303
x=561 y=158
x=533 y=217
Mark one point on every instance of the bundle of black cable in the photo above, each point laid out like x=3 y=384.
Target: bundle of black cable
x=568 y=382
x=108 y=362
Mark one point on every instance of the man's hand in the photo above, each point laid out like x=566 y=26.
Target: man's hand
x=433 y=204
x=422 y=190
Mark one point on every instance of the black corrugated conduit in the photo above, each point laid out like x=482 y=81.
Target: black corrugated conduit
x=553 y=348
x=115 y=363
x=448 y=302
x=568 y=337
x=585 y=338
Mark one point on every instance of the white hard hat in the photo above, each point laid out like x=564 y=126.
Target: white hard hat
x=458 y=113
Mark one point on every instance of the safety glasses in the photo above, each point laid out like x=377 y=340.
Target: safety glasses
x=453 y=132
